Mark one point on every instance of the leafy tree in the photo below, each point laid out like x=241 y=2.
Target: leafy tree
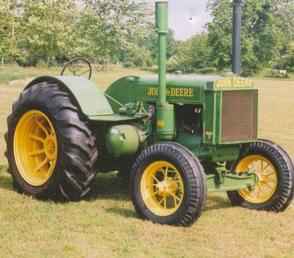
x=191 y=55
x=151 y=43
x=220 y=31
x=8 y=29
x=112 y=27
x=46 y=31
x=287 y=60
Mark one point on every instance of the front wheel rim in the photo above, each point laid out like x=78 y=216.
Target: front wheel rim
x=162 y=188
x=267 y=175
x=35 y=148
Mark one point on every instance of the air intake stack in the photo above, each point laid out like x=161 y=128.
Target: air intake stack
x=165 y=111
x=237 y=22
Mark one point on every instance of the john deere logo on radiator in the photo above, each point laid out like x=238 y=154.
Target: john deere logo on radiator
x=172 y=92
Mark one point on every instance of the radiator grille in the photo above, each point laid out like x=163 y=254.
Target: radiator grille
x=239 y=116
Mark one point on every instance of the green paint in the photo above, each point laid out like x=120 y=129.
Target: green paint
x=165 y=124
x=122 y=140
x=89 y=97
x=165 y=111
x=162 y=30
x=230 y=182
x=181 y=90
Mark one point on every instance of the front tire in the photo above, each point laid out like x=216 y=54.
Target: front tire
x=51 y=150
x=274 y=169
x=168 y=185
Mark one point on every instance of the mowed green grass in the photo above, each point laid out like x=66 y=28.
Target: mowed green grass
x=107 y=225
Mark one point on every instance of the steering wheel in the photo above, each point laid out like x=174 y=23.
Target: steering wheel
x=78 y=67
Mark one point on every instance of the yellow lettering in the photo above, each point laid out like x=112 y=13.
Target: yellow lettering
x=172 y=92
x=182 y=92
x=190 y=92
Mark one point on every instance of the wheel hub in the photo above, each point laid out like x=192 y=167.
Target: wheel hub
x=50 y=147
x=166 y=187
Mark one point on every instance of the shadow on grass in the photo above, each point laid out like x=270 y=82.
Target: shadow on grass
x=217 y=202
x=124 y=212
x=110 y=186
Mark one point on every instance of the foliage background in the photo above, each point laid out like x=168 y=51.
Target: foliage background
x=51 y=32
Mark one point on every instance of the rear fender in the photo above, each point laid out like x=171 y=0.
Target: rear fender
x=89 y=98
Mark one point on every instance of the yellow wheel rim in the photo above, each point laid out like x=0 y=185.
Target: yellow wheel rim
x=35 y=148
x=267 y=179
x=162 y=188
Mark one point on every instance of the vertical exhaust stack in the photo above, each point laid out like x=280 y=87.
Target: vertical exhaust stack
x=237 y=23
x=162 y=30
x=165 y=111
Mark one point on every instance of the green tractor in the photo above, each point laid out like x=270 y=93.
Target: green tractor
x=177 y=137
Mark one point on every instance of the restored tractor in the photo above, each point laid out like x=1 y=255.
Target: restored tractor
x=177 y=137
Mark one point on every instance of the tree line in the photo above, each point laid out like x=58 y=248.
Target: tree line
x=52 y=32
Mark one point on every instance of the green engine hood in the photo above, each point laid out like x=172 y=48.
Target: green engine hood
x=180 y=88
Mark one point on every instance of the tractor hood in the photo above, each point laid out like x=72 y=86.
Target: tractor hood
x=207 y=82
x=180 y=88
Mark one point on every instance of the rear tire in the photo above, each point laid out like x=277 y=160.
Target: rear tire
x=178 y=185
x=279 y=183
x=76 y=152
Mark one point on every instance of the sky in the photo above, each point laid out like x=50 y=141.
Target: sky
x=188 y=17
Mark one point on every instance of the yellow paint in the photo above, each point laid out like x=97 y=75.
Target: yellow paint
x=267 y=179
x=35 y=148
x=162 y=188
x=233 y=82
x=160 y=124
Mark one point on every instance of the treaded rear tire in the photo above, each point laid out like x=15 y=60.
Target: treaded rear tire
x=193 y=176
x=284 y=166
x=77 y=153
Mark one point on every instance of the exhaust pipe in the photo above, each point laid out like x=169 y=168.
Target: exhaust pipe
x=165 y=111
x=237 y=23
x=161 y=15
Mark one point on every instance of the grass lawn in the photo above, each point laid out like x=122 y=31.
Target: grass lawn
x=107 y=225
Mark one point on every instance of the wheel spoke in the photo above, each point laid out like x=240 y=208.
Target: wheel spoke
x=268 y=186
x=266 y=167
x=256 y=192
x=156 y=179
x=42 y=164
x=166 y=173
x=51 y=163
x=269 y=174
x=42 y=127
x=37 y=152
x=155 y=193
x=36 y=138
x=164 y=202
x=175 y=197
